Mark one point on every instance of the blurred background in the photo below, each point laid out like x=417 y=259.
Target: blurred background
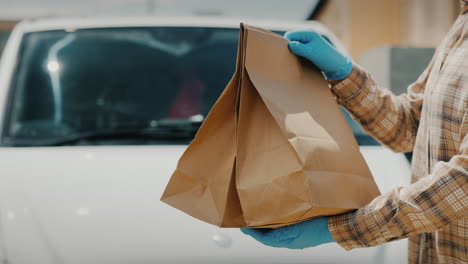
x=371 y=31
x=360 y=24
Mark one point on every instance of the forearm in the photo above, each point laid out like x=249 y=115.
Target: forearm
x=392 y=120
x=424 y=206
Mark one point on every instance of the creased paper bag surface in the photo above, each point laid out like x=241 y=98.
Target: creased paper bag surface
x=274 y=150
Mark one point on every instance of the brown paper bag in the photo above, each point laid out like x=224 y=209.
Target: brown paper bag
x=275 y=148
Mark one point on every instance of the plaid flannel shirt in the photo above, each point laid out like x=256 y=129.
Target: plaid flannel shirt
x=431 y=120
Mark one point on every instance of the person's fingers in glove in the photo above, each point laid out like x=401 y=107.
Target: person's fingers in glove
x=312 y=46
x=266 y=237
x=309 y=233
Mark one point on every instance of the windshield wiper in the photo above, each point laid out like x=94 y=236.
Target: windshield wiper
x=161 y=130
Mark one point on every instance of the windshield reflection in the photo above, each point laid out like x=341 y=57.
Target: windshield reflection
x=70 y=86
x=53 y=67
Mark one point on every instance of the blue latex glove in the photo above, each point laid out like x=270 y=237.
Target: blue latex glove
x=310 y=45
x=302 y=235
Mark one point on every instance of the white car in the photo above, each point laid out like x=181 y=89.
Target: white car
x=94 y=115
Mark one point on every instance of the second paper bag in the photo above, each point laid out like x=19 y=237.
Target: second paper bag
x=274 y=150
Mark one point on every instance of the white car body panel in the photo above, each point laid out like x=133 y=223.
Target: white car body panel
x=100 y=204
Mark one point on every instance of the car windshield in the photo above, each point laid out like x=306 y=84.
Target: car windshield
x=149 y=85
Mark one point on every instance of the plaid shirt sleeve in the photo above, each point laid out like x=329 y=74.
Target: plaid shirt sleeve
x=424 y=206
x=392 y=120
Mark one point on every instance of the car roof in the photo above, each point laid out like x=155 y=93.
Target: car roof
x=45 y=24
x=75 y=23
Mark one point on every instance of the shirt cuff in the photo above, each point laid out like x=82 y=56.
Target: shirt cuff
x=343 y=233
x=350 y=87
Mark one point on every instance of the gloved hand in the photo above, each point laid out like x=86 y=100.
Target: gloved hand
x=312 y=46
x=302 y=235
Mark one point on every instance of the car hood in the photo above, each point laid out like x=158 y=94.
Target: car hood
x=101 y=205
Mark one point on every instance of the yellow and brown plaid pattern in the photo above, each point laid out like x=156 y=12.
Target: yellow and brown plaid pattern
x=431 y=120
